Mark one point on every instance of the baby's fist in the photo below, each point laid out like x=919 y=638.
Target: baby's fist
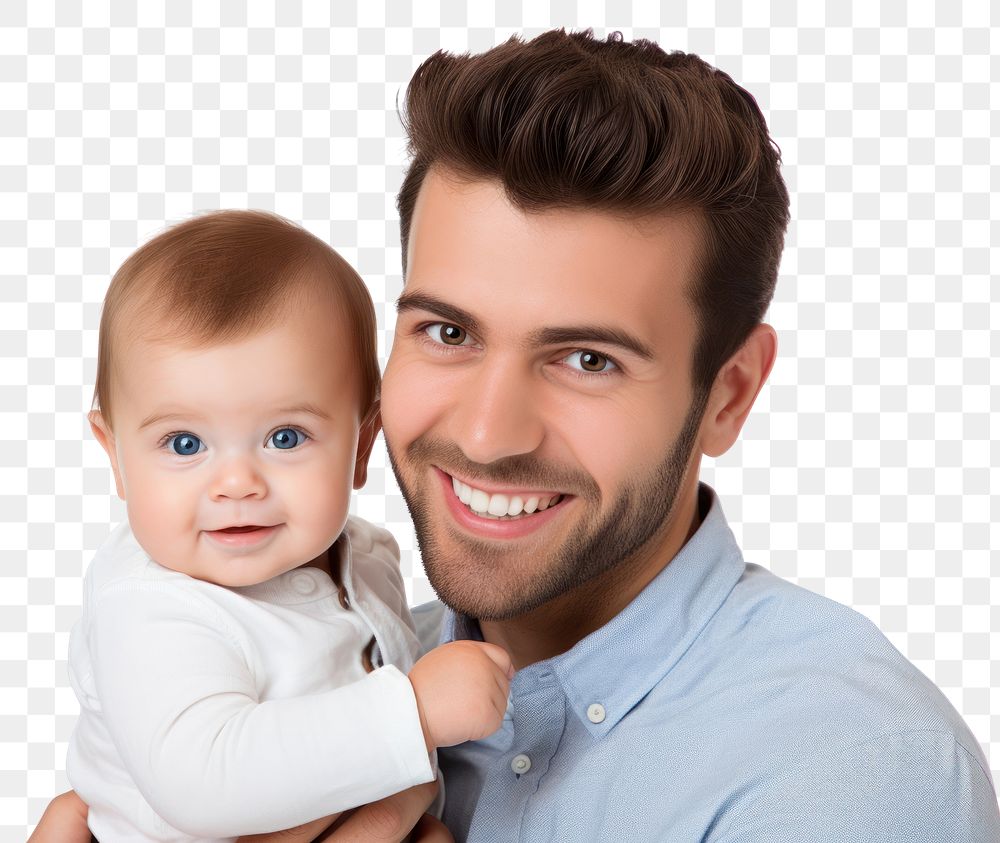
x=461 y=690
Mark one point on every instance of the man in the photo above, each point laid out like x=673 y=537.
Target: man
x=592 y=232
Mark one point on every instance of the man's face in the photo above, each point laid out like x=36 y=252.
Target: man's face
x=236 y=461
x=537 y=403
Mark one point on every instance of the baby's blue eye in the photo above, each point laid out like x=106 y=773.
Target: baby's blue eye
x=184 y=444
x=287 y=438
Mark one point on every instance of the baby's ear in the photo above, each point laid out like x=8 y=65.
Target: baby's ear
x=106 y=438
x=367 y=435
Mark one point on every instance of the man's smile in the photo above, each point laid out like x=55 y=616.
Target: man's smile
x=508 y=513
x=508 y=504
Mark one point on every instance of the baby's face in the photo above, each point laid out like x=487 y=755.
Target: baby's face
x=236 y=461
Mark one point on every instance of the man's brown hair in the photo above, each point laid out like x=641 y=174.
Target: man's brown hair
x=221 y=276
x=569 y=121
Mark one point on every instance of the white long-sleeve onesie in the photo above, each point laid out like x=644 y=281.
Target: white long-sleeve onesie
x=209 y=712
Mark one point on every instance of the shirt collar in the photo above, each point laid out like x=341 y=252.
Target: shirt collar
x=618 y=664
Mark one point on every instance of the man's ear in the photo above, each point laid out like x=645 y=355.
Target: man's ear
x=370 y=427
x=736 y=387
x=103 y=434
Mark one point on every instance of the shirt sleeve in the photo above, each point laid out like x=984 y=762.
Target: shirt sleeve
x=913 y=787
x=181 y=706
x=378 y=593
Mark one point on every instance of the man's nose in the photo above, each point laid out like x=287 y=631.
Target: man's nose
x=497 y=414
x=238 y=477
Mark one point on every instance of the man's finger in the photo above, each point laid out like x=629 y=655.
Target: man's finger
x=64 y=821
x=431 y=830
x=389 y=820
x=305 y=833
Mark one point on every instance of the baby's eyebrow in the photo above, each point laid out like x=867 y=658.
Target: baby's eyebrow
x=291 y=410
x=155 y=418
x=307 y=408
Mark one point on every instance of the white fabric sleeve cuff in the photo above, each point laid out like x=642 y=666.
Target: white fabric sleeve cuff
x=400 y=720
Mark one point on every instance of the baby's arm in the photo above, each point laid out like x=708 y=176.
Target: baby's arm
x=461 y=690
x=213 y=760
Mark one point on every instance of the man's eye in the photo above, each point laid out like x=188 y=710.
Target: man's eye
x=287 y=438
x=184 y=444
x=589 y=361
x=446 y=333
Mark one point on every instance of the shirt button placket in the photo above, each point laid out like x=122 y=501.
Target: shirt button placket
x=520 y=764
x=538 y=711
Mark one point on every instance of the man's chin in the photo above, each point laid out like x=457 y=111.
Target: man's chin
x=469 y=594
x=485 y=607
x=495 y=587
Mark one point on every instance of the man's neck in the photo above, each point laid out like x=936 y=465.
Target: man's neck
x=558 y=625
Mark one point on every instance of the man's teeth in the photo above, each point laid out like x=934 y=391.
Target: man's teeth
x=500 y=506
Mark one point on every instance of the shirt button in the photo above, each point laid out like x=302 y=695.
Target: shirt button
x=520 y=764
x=596 y=713
x=303 y=583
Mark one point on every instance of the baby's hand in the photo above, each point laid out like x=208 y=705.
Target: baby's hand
x=461 y=691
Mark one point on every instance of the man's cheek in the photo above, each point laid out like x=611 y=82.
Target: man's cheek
x=413 y=395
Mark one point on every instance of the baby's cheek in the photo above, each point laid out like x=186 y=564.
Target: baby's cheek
x=162 y=523
x=323 y=505
x=147 y=531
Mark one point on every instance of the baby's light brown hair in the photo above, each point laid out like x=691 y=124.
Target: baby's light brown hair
x=222 y=276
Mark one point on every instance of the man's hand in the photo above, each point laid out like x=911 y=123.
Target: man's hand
x=389 y=820
x=306 y=833
x=461 y=690
x=64 y=821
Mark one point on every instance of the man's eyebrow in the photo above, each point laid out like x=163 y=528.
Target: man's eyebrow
x=574 y=334
x=432 y=304
x=584 y=334
x=303 y=408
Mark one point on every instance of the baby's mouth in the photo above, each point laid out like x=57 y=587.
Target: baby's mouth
x=242 y=535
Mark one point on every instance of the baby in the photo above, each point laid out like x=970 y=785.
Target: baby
x=241 y=662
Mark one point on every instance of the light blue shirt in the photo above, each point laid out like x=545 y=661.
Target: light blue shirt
x=723 y=704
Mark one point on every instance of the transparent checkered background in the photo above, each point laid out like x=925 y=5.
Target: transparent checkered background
x=867 y=470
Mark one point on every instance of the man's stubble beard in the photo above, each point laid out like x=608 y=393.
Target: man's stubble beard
x=481 y=580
